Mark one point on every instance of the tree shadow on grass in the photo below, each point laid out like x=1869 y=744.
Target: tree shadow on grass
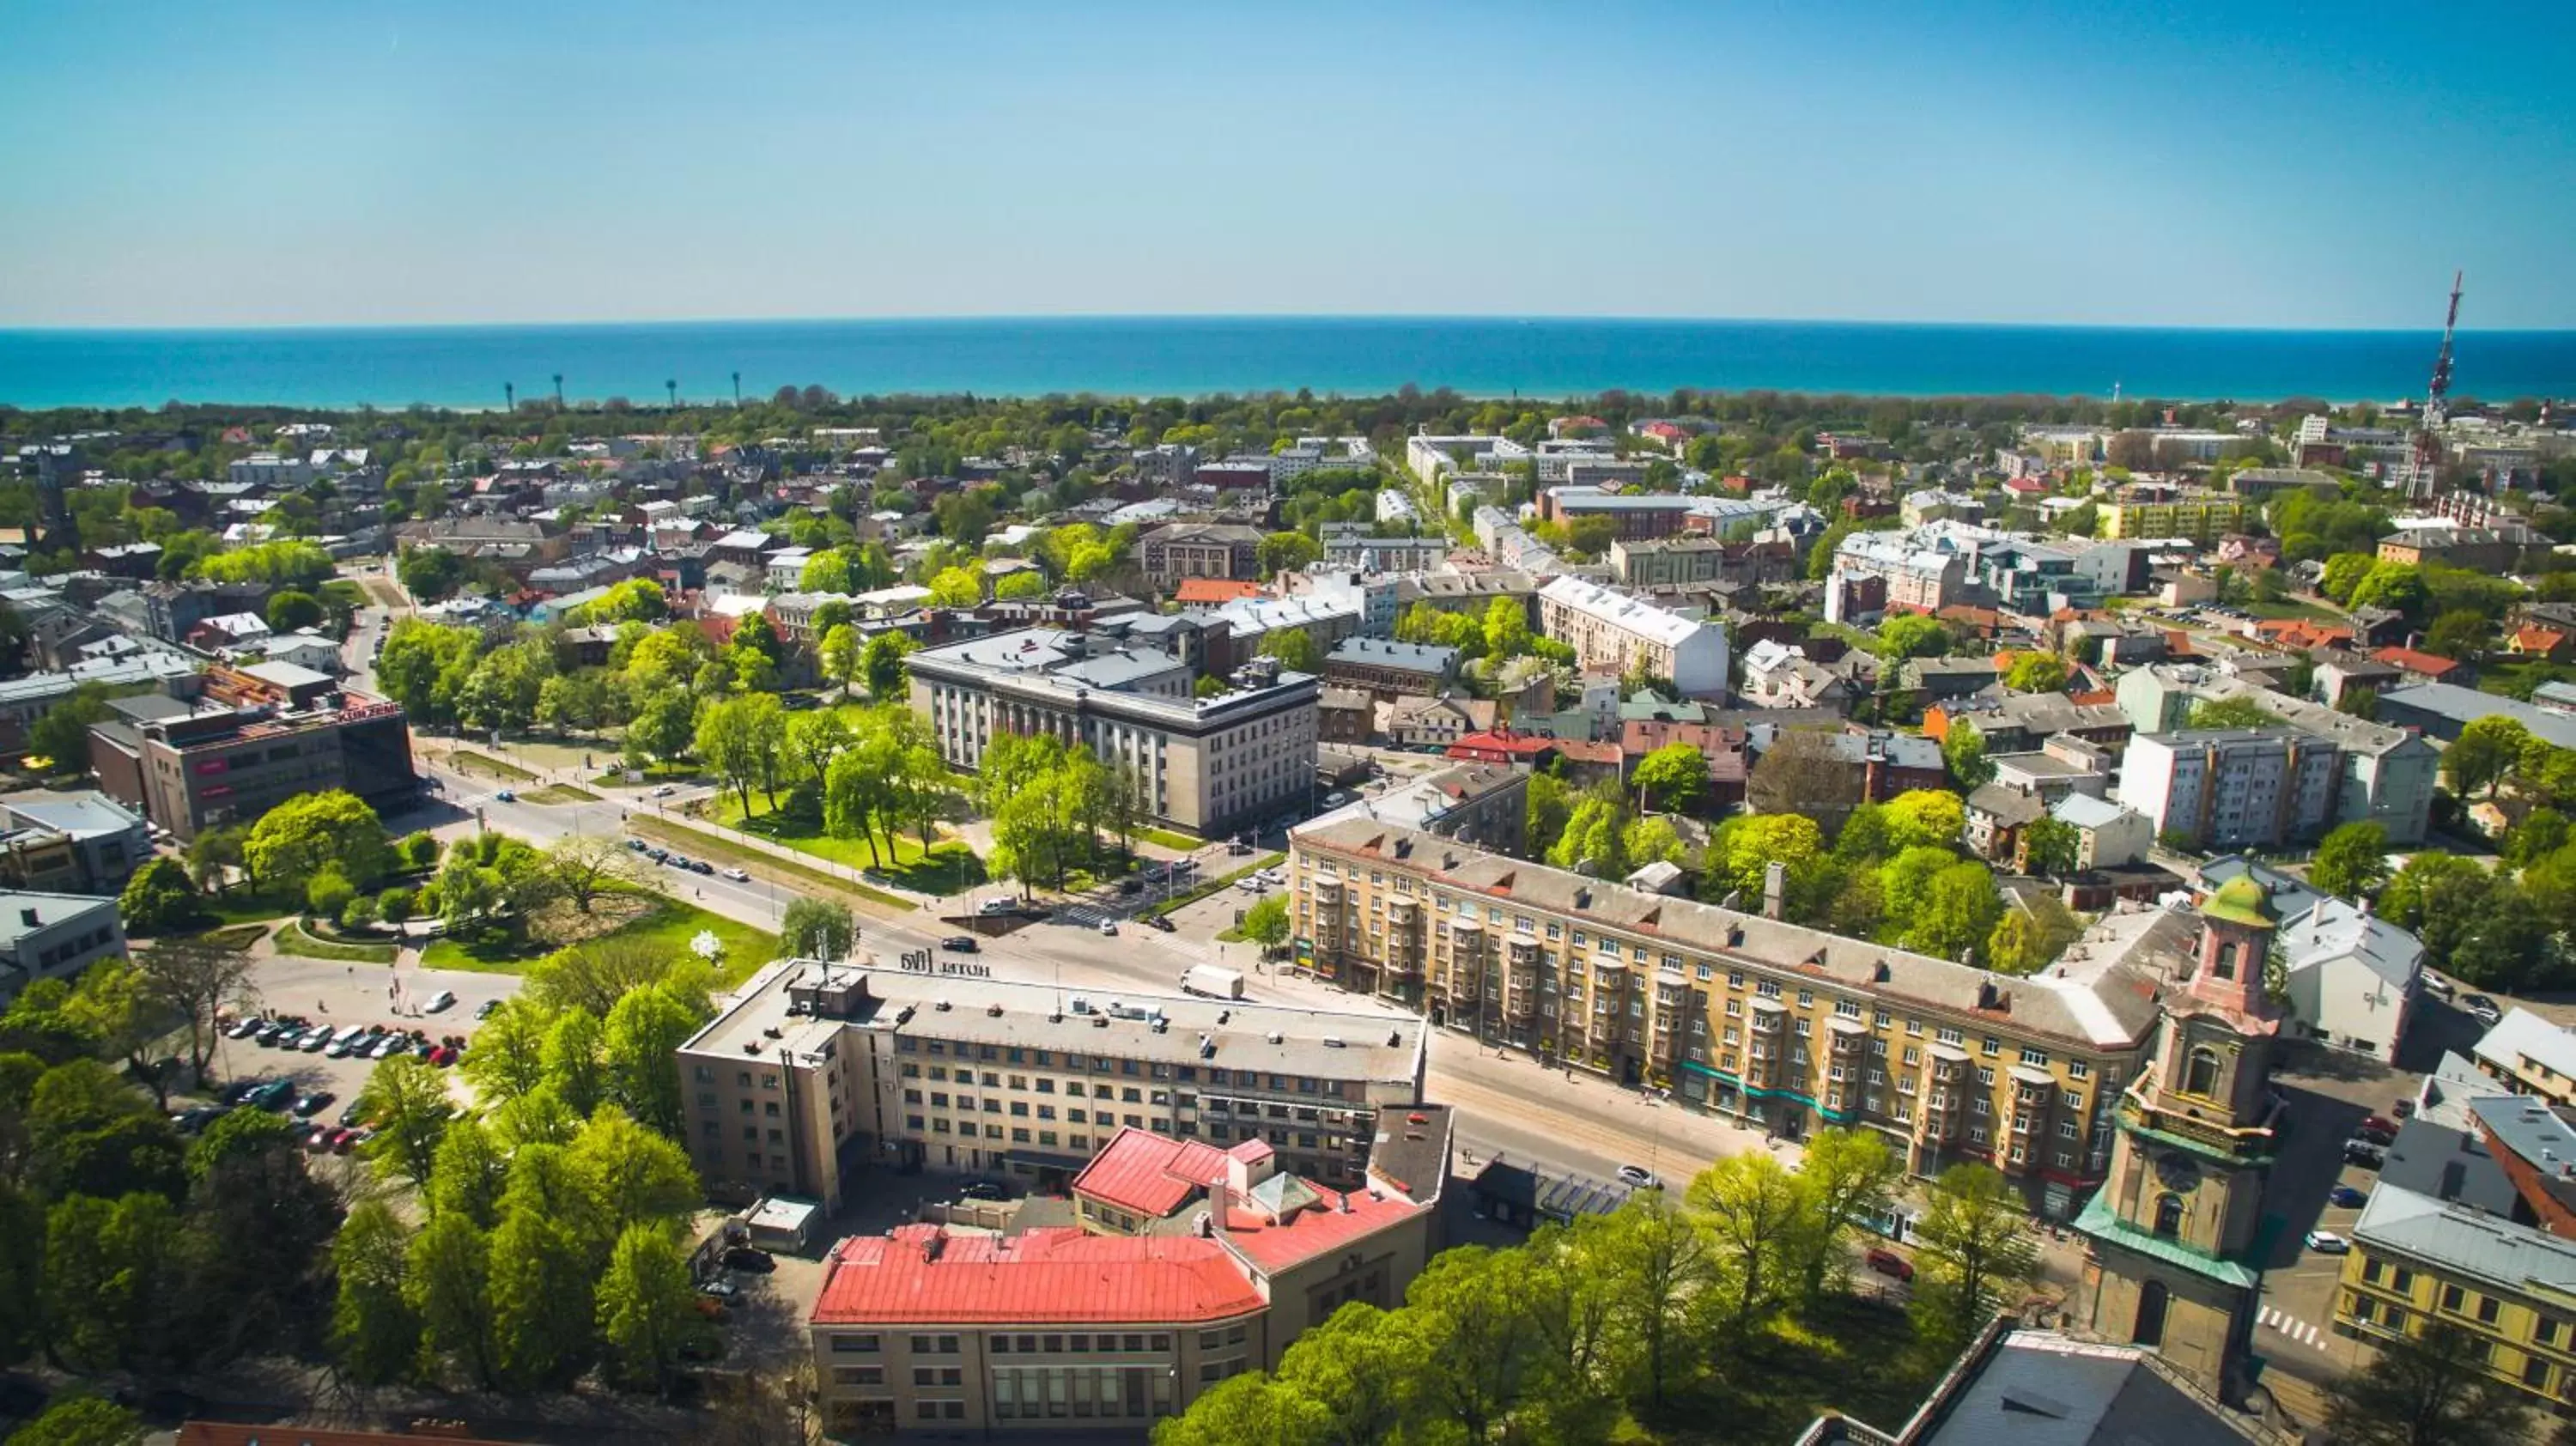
x=1857 y=1357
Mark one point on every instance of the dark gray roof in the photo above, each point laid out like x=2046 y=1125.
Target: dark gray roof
x=2450 y=1165
x=1384 y=653
x=2467 y=705
x=2042 y=1389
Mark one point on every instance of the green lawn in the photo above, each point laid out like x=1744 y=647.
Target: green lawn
x=236 y=937
x=672 y=924
x=2517 y=680
x=2292 y=608
x=1169 y=838
x=241 y=906
x=653 y=773
x=559 y=793
x=945 y=868
x=698 y=843
x=467 y=761
x=292 y=939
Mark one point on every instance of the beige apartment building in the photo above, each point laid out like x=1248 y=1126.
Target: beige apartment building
x=1781 y=1027
x=828 y=1068
x=1612 y=632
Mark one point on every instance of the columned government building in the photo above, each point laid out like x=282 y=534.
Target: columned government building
x=1210 y=765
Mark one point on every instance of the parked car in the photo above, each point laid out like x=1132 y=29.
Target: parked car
x=312 y=1104
x=487 y=1008
x=2483 y=1010
x=348 y=1140
x=246 y=1028
x=719 y=1289
x=388 y=1047
x=1639 y=1177
x=676 y=861
x=2364 y=1153
x=317 y=1041
x=239 y=1090
x=443 y=999
x=637 y=844
x=2403 y=1109
x=2345 y=1197
x=657 y=855
x=319 y=1142
x=739 y=876
x=2439 y=987
x=1889 y=1263
x=354 y=1115
x=443 y=1054
x=701 y=866
x=2326 y=1242
x=745 y=1257
x=1109 y=927
x=983 y=1190
x=664 y=791
x=959 y=944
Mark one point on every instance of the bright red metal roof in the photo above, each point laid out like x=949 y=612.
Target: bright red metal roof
x=922 y=1275
x=1155 y=1174
x=1315 y=1230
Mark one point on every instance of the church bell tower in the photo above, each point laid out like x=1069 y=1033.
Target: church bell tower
x=2170 y=1236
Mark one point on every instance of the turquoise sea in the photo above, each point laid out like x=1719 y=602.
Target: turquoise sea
x=467 y=366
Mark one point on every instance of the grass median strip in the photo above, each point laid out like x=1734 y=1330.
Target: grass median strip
x=698 y=843
x=292 y=939
x=466 y=760
x=559 y=793
x=1222 y=881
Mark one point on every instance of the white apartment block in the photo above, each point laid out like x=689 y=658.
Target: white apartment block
x=1612 y=632
x=2233 y=787
x=1210 y=765
x=1918 y=577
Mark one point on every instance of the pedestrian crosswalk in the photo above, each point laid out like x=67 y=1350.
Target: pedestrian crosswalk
x=2291 y=1326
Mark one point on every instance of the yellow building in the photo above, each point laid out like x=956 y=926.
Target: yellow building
x=1780 y=1027
x=2202 y=517
x=2450 y=1238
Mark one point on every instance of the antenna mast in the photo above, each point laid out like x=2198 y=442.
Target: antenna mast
x=2428 y=440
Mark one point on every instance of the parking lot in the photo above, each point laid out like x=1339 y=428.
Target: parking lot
x=342 y=995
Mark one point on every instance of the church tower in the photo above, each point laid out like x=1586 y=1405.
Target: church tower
x=2171 y=1234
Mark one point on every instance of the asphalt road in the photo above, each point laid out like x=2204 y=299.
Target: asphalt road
x=1508 y=1104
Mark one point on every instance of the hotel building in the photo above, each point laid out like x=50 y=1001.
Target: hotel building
x=827 y=1068
x=1781 y=1027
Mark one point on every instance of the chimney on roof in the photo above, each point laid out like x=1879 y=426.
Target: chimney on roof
x=1220 y=1198
x=1775 y=889
x=28 y=918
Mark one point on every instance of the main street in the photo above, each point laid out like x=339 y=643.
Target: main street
x=1508 y=1103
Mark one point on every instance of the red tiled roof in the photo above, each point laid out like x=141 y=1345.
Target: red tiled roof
x=1213 y=590
x=1501 y=741
x=2415 y=662
x=922 y=1275
x=2531 y=637
x=1315 y=1230
x=1155 y=1174
x=1584 y=750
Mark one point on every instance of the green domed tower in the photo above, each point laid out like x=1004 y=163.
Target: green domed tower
x=2171 y=1234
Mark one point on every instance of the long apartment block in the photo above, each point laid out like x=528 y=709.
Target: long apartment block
x=1781 y=1027
x=827 y=1068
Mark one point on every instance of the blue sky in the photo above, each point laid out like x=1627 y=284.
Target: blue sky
x=2191 y=162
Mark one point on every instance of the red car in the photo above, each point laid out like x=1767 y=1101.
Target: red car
x=1888 y=1262
x=319 y=1141
x=444 y=1054
x=348 y=1140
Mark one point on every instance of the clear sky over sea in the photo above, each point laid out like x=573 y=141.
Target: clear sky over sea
x=2192 y=162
